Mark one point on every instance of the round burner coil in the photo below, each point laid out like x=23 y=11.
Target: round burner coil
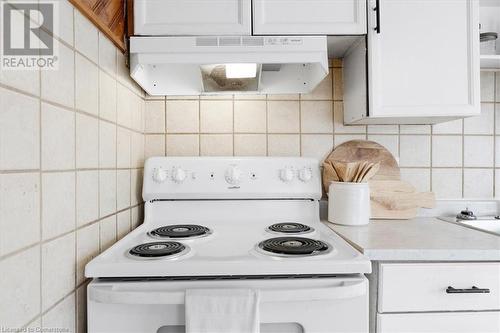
x=290 y=228
x=180 y=231
x=157 y=249
x=293 y=246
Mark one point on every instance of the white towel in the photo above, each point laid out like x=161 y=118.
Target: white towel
x=222 y=311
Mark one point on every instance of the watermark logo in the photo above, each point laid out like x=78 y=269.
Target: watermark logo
x=27 y=35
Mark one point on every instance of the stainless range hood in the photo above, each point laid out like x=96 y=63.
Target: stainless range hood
x=228 y=65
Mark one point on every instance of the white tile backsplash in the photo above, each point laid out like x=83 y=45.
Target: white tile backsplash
x=283 y=117
x=478 y=183
x=216 y=116
x=250 y=116
x=55 y=128
x=478 y=151
x=316 y=117
x=415 y=151
x=447 y=151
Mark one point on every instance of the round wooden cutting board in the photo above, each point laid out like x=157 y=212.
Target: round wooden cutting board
x=363 y=150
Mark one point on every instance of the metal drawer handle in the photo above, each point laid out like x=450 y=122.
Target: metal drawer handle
x=473 y=290
x=377 y=12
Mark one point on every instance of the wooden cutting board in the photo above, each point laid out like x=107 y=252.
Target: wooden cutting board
x=391 y=198
x=364 y=150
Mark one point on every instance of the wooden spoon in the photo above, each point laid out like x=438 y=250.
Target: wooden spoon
x=372 y=171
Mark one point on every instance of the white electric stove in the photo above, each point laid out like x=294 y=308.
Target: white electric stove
x=230 y=223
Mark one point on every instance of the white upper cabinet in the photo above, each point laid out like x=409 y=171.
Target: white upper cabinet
x=192 y=17
x=314 y=17
x=423 y=63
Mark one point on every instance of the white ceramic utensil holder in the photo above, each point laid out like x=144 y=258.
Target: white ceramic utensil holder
x=349 y=203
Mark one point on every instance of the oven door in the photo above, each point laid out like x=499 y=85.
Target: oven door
x=313 y=305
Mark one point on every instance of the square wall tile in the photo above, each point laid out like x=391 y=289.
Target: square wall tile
x=390 y=142
x=124 y=105
x=478 y=151
x=482 y=124
x=415 y=151
x=20 y=288
x=250 y=97
x=497 y=183
x=107 y=232
x=107 y=192
x=182 y=116
x=316 y=117
x=339 y=127
x=86 y=85
x=323 y=91
x=420 y=178
x=86 y=37
x=283 y=117
x=61 y=316
x=87 y=248
x=183 y=145
x=58 y=138
x=136 y=113
x=154 y=145
x=317 y=146
x=497 y=151
x=216 y=116
x=107 y=54
x=58 y=86
x=58 y=203
x=250 y=116
x=87 y=196
x=449 y=127
x=122 y=223
x=497 y=93
x=478 y=183
x=135 y=186
x=107 y=97
x=19 y=211
x=447 y=151
x=20 y=119
x=447 y=183
x=250 y=145
x=123 y=142
x=487 y=86
x=122 y=189
x=216 y=145
x=155 y=117
x=58 y=269
x=87 y=141
x=497 y=117
x=107 y=144
x=283 y=145
x=137 y=150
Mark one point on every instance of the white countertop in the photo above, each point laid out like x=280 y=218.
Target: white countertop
x=420 y=239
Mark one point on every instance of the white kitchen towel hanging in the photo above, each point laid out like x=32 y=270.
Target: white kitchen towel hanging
x=222 y=311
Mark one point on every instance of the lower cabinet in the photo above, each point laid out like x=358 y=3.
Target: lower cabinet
x=440 y=297
x=447 y=322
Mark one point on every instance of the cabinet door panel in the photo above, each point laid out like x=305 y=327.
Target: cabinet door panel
x=424 y=61
x=445 y=322
x=323 y=17
x=192 y=17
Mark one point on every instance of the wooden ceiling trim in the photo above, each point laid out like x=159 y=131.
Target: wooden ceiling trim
x=108 y=15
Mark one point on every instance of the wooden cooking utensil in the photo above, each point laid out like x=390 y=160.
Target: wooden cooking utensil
x=363 y=150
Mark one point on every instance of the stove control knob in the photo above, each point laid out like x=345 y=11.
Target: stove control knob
x=287 y=174
x=305 y=174
x=159 y=175
x=233 y=175
x=178 y=175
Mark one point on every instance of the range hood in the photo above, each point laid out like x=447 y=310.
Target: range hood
x=227 y=65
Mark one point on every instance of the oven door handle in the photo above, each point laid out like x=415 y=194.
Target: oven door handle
x=110 y=295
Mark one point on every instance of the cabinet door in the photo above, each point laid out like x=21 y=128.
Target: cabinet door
x=315 y=17
x=443 y=322
x=192 y=17
x=423 y=58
